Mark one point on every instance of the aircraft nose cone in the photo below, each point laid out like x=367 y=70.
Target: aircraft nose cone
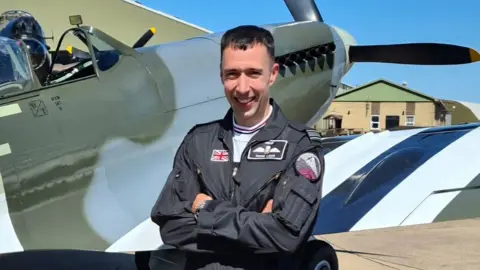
x=348 y=40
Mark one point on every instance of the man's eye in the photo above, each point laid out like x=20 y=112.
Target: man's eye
x=254 y=74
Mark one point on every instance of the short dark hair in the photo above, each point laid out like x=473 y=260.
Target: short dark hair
x=246 y=36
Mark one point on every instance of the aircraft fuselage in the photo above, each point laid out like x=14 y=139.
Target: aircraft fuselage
x=88 y=157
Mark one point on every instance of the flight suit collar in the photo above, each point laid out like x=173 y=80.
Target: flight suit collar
x=273 y=127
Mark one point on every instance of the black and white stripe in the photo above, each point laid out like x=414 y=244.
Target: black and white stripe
x=391 y=179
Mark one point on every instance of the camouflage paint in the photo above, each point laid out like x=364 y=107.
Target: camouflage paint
x=461 y=206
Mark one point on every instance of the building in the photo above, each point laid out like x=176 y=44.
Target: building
x=384 y=105
x=343 y=87
x=125 y=20
x=462 y=112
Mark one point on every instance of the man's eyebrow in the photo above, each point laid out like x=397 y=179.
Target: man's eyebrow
x=227 y=70
x=231 y=70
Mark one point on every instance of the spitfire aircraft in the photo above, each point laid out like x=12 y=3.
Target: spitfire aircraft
x=85 y=150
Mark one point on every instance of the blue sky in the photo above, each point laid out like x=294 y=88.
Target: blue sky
x=370 y=22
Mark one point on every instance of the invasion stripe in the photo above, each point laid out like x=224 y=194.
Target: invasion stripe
x=144 y=236
x=5 y=149
x=8 y=110
x=9 y=242
x=347 y=204
x=444 y=170
x=348 y=158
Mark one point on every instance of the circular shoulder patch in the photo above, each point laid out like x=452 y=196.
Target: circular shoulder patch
x=308 y=165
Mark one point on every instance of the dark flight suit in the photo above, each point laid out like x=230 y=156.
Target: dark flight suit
x=231 y=232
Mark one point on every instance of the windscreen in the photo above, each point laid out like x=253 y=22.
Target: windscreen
x=14 y=68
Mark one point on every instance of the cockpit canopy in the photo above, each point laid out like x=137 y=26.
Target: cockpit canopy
x=20 y=25
x=11 y=15
x=15 y=69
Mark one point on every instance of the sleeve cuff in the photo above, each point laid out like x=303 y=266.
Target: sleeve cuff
x=206 y=217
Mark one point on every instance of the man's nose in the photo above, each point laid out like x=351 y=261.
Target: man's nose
x=243 y=84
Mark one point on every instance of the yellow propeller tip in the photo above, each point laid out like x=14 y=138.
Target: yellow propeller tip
x=70 y=49
x=153 y=30
x=474 y=55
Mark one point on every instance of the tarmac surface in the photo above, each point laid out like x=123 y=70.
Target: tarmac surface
x=441 y=245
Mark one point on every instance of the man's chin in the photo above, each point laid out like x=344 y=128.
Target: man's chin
x=244 y=115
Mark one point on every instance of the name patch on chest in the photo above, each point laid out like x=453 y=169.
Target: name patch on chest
x=270 y=150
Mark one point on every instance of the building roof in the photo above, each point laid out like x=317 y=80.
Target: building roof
x=343 y=87
x=474 y=107
x=389 y=83
x=462 y=111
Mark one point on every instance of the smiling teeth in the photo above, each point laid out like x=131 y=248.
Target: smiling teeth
x=245 y=101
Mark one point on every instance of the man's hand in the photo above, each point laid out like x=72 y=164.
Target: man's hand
x=268 y=207
x=199 y=199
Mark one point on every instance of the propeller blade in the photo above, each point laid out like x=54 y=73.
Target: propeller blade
x=414 y=54
x=304 y=10
x=145 y=38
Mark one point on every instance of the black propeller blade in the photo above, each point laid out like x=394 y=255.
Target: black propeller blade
x=304 y=10
x=414 y=54
x=145 y=38
x=411 y=54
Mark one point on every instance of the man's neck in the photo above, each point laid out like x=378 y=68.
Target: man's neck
x=257 y=120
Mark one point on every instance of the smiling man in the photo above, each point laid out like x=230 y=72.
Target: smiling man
x=247 y=72
x=244 y=190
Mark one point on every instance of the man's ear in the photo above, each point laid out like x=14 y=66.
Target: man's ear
x=221 y=72
x=274 y=74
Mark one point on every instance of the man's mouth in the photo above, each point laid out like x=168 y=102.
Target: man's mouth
x=244 y=100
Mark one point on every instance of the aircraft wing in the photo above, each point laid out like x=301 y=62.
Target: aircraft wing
x=398 y=178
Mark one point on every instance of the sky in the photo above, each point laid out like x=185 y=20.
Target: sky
x=370 y=22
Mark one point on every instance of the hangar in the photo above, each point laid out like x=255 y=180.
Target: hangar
x=123 y=19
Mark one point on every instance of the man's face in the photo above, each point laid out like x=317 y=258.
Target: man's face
x=247 y=76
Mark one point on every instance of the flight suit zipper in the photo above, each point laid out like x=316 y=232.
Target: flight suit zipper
x=237 y=168
x=232 y=191
x=234 y=169
x=264 y=186
x=242 y=158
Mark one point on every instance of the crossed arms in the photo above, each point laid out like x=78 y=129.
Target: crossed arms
x=221 y=224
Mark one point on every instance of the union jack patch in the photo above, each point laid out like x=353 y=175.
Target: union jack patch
x=219 y=155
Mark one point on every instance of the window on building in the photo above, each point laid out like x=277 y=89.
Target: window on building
x=375 y=122
x=410 y=120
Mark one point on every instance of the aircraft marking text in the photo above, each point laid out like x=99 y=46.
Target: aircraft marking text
x=38 y=108
x=58 y=103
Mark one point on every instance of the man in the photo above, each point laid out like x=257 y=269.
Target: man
x=245 y=188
